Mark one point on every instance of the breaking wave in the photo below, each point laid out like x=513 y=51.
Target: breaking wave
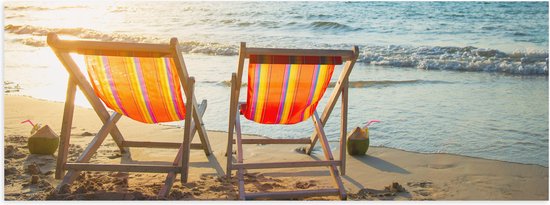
x=533 y=62
x=76 y=32
x=329 y=25
x=530 y=62
x=39 y=33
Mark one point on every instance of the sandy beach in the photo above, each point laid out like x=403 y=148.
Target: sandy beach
x=420 y=176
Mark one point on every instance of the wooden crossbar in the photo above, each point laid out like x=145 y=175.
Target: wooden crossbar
x=275 y=141
x=122 y=167
x=80 y=46
x=167 y=145
x=292 y=194
x=345 y=54
x=286 y=164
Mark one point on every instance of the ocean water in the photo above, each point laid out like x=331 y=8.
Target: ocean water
x=468 y=78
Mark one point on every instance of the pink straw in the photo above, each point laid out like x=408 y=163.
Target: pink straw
x=370 y=122
x=29 y=121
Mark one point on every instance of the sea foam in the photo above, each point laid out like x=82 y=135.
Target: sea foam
x=533 y=62
x=520 y=62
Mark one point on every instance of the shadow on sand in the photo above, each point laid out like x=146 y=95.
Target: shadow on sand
x=380 y=164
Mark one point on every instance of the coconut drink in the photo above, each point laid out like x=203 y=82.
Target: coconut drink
x=358 y=139
x=43 y=140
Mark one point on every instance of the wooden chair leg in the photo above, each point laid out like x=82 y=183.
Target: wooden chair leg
x=199 y=126
x=187 y=132
x=344 y=129
x=185 y=152
x=239 y=139
x=240 y=178
x=232 y=112
x=171 y=177
x=240 y=159
x=65 y=135
x=92 y=148
x=204 y=140
x=229 y=155
x=328 y=155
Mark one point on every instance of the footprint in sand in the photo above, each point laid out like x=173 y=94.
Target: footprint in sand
x=216 y=188
x=305 y=185
x=270 y=186
x=424 y=188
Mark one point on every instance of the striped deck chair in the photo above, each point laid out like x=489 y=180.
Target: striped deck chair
x=140 y=81
x=284 y=87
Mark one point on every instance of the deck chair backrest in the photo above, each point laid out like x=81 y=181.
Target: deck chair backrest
x=286 y=89
x=140 y=81
x=146 y=89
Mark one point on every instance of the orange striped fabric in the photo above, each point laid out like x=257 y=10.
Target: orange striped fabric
x=286 y=89
x=146 y=89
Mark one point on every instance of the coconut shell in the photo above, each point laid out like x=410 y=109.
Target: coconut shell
x=358 y=141
x=44 y=141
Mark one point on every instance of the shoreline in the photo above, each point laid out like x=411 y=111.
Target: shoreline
x=425 y=176
x=267 y=137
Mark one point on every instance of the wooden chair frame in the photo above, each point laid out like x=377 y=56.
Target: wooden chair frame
x=193 y=118
x=341 y=88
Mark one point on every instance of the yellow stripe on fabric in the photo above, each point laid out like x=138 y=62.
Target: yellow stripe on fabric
x=136 y=89
x=167 y=95
x=323 y=72
x=264 y=70
x=105 y=85
x=320 y=81
x=290 y=92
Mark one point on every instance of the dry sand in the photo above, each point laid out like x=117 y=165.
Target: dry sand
x=418 y=176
